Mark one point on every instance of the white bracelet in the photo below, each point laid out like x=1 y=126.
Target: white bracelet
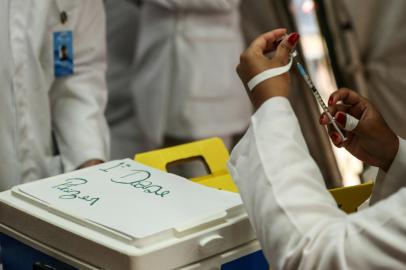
x=267 y=74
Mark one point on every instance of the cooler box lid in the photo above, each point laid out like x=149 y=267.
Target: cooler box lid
x=135 y=209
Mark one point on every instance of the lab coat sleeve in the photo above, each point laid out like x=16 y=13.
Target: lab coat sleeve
x=198 y=5
x=388 y=183
x=78 y=101
x=295 y=218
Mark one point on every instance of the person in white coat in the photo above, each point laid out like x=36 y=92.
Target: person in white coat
x=295 y=218
x=185 y=87
x=53 y=89
x=122 y=30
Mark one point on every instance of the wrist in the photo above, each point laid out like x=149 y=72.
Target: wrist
x=391 y=152
x=267 y=90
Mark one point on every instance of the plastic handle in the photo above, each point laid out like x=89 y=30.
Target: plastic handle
x=211 y=244
x=213 y=152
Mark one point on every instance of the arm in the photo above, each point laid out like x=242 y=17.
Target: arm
x=295 y=218
x=198 y=5
x=78 y=101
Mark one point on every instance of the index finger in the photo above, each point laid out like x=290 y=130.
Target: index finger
x=357 y=104
x=263 y=43
x=345 y=95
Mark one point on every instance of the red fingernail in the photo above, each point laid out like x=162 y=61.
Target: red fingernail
x=341 y=118
x=335 y=137
x=330 y=101
x=293 y=38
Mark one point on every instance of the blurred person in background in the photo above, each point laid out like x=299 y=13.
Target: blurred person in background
x=122 y=30
x=53 y=62
x=185 y=88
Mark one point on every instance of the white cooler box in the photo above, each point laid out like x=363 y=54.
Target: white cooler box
x=37 y=234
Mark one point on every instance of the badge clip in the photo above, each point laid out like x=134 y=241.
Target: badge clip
x=64 y=17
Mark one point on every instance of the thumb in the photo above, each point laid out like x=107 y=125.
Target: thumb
x=347 y=121
x=286 y=46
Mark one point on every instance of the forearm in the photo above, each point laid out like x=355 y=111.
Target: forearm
x=296 y=220
x=78 y=101
x=78 y=121
x=278 y=180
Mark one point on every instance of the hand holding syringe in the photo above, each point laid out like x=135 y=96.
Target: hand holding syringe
x=369 y=137
x=273 y=72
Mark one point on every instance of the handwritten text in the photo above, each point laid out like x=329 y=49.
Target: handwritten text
x=70 y=191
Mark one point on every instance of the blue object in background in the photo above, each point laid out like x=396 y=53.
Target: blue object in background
x=253 y=261
x=18 y=256
x=63 y=53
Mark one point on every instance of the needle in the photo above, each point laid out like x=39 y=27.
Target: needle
x=316 y=94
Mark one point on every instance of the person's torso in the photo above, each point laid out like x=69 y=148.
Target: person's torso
x=26 y=147
x=186 y=82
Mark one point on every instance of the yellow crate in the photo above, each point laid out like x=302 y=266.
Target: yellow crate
x=212 y=151
x=215 y=155
x=350 y=198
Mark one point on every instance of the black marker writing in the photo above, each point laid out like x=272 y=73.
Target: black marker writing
x=121 y=164
x=139 y=179
x=71 y=192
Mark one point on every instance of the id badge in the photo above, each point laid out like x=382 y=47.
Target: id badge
x=63 y=53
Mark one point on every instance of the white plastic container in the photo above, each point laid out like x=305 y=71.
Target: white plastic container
x=211 y=245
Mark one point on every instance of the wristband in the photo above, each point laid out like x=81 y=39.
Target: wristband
x=267 y=74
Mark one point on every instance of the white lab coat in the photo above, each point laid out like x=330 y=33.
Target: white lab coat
x=122 y=28
x=34 y=104
x=296 y=219
x=185 y=82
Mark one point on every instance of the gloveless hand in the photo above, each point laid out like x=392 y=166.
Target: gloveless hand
x=254 y=60
x=372 y=141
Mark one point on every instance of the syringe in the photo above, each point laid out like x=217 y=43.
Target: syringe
x=316 y=94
